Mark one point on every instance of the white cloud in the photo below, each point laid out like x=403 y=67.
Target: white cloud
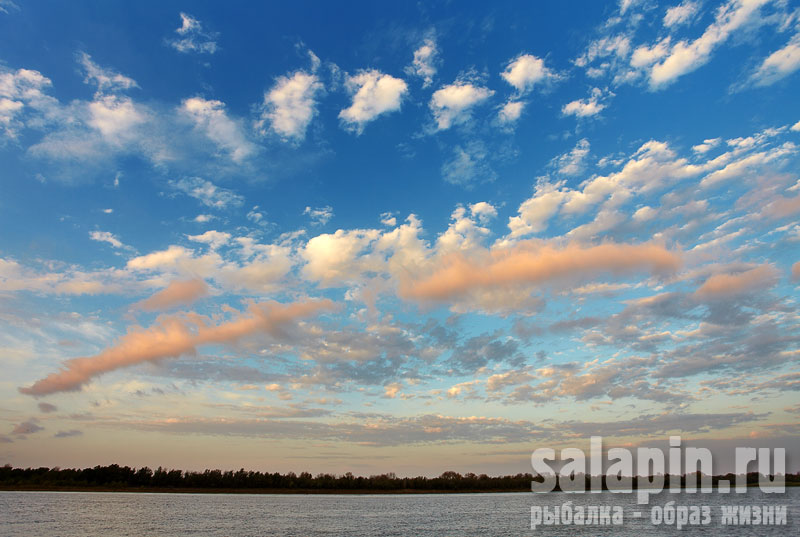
x=291 y=104
x=468 y=165
x=114 y=117
x=22 y=91
x=525 y=71
x=105 y=236
x=388 y=219
x=104 y=79
x=215 y=239
x=586 y=107
x=337 y=257
x=646 y=56
x=535 y=212
x=683 y=13
x=374 y=94
x=510 y=112
x=706 y=146
x=779 y=64
x=7 y=5
x=573 y=162
x=192 y=37
x=796 y=127
x=685 y=56
x=320 y=215
x=203 y=218
x=451 y=104
x=211 y=118
x=424 y=63
x=208 y=193
x=483 y=211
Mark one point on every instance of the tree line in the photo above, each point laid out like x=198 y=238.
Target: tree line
x=115 y=476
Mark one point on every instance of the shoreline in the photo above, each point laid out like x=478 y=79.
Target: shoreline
x=283 y=491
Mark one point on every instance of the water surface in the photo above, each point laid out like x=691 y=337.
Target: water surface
x=89 y=514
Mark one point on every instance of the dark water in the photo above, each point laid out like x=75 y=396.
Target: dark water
x=119 y=514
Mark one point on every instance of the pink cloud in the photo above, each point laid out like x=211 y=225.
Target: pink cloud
x=537 y=264
x=724 y=285
x=171 y=337
x=177 y=293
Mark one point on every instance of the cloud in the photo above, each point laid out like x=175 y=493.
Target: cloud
x=104 y=79
x=47 y=408
x=215 y=239
x=172 y=337
x=686 y=56
x=23 y=91
x=538 y=209
x=681 y=14
x=451 y=105
x=27 y=427
x=332 y=258
x=586 y=107
x=374 y=94
x=510 y=112
x=424 y=63
x=779 y=64
x=6 y=6
x=574 y=162
x=210 y=117
x=537 y=264
x=207 y=192
x=105 y=236
x=726 y=285
x=320 y=215
x=192 y=37
x=525 y=71
x=706 y=146
x=177 y=293
x=796 y=271
x=291 y=104
x=468 y=166
x=68 y=434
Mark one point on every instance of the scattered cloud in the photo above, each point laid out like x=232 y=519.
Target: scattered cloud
x=587 y=107
x=211 y=118
x=681 y=14
x=452 y=104
x=468 y=165
x=290 y=105
x=105 y=236
x=320 y=215
x=525 y=71
x=68 y=434
x=538 y=264
x=207 y=193
x=779 y=64
x=193 y=38
x=104 y=79
x=685 y=56
x=574 y=162
x=177 y=293
x=374 y=94
x=172 y=337
x=424 y=63
x=27 y=427
x=47 y=408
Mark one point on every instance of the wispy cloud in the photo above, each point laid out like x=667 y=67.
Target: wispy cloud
x=193 y=38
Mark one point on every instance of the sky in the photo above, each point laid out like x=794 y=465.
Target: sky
x=396 y=237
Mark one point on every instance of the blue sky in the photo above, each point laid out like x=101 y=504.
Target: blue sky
x=395 y=237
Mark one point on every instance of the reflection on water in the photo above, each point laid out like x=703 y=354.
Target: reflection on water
x=118 y=514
